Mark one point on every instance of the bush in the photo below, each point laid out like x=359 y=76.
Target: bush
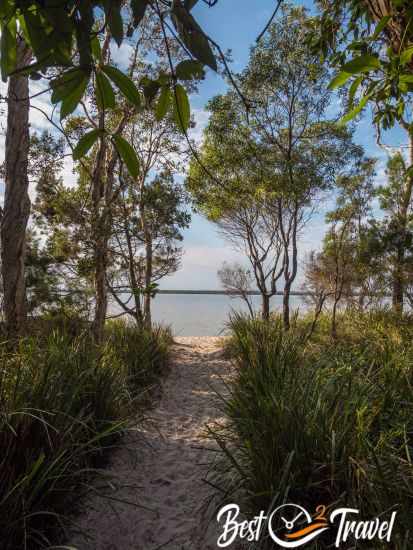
x=319 y=421
x=63 y=403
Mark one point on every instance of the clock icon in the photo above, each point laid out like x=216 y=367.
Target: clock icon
x=291 y=526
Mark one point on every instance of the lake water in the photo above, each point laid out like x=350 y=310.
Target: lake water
x=205 y=315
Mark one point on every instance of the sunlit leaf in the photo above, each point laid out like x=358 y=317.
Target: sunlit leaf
x=182 y=110
x=380 y=26
x=361 y=64
x=353 y=89
x=357 y=110
x=339 y=80
x=163 y=104
x=8 y=48
x=406 y=56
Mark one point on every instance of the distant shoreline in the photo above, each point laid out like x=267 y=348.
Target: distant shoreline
x=226 y=293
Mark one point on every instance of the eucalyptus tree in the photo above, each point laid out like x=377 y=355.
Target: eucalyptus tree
x=64 y=45
x=284 y=146
x=144 y=246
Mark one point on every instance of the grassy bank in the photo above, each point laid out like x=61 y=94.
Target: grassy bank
x=63 y=404
x=321 y=421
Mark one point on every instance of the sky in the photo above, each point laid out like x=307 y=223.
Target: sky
x=234 y=24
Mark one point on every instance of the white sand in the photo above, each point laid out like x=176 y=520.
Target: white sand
x=162 y=467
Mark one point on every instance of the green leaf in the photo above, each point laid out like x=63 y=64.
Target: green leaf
x=193 y=36
x=127 y=154
x=96 y=48
x=65 y=84
x=114 y=19
x=189 y=70
x=124 y=83
x=163 y=103
x=71 y=101
x=380 y=26
x=138 y=10
x=8 y=48
x=339 y=80
x=85 y=143
x=182 y=110
x=353 y=89
x=362 y=64
x=105 y=96
x=406 y=78
x=406 y=56
x=354 y=112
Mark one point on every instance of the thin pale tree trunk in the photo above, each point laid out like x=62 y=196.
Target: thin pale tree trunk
x=148 y=280
x=16 y=210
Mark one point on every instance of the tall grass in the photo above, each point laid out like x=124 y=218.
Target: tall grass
x=63 y=404
x=322 y=422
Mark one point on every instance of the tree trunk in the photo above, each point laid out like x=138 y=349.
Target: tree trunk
x=100 y=240
x=334 y=319
x=148 y=280
x=265 y=307
x=16 y=199
x=398 y=281
x=286 y=306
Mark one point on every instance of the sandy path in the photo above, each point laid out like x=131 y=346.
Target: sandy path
x=163 y=465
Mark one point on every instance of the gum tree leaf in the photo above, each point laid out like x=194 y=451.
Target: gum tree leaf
x=189 y=70
x=85 y=143
x=71 y=101
x=380 y=26
x=138 y=10
x=124 y=83
x=65 y=84
x=105 y=95
x=192 y=35
x=362 y=64
x=182 y=109
x=339 y=80
x=114 y=19
x=406 y=56
x=163 y=104
x=357 y=110
x=127 y=154
x=8 y=48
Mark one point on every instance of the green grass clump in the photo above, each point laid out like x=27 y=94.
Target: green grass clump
x=322 y=421
x=63 y=404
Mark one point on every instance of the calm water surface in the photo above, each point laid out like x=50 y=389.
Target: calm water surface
x=205 y=315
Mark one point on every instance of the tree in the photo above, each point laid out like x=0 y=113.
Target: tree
x=395 y=231
x=377 y=34
x=284 y=148
x=16 y=210
x=66 y=44
x=237 y=281
x=147 y=225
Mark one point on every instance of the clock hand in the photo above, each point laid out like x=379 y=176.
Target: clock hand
x=295 y=519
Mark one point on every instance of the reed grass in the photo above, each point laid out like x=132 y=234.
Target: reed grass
x=320 y=421
x=63 y=405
